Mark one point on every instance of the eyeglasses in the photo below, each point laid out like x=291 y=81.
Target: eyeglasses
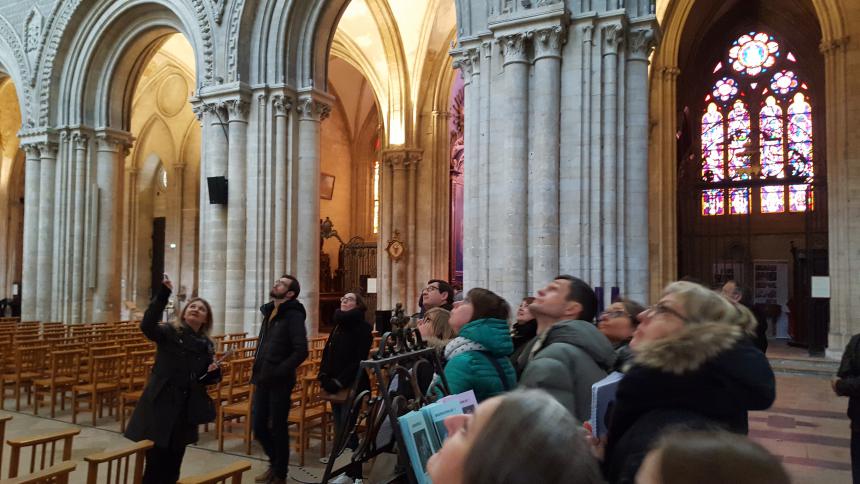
x=661 y=308
x=618 y=313
x=346 y=299
x=431 y=289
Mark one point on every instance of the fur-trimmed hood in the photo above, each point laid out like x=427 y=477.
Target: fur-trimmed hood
x=690 y=349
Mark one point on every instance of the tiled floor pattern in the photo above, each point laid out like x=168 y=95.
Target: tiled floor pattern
x=807 y=428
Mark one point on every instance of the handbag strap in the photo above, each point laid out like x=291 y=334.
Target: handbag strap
x=498 y=368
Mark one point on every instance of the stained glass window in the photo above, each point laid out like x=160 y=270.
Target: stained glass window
x=757 y=133
x=753 y=53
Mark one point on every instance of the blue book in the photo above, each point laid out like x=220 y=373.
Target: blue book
x=435 y=415
x=419 y=443
x=466 y=400
x=602 y=396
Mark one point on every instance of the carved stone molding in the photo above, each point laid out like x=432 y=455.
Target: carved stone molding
x=7 y=32
x=670 y=73
x=613 y=38
x=548 y=41
x=463 y=61
x=33 y=34
x=282 y=104
x=208 y=45
x=109 y=142
x=80 y=140
x=641 y=42
x=233 y=40
x=313 y=109
x=514 y=47
x=47 y=150
x=31 y=151
x=238 y=109
x=218 y=10
x=834 y=45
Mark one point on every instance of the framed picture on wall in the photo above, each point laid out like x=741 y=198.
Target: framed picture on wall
x=326 y=186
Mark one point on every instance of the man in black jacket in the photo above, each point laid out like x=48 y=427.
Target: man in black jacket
x=848 y=385
x=282 y=347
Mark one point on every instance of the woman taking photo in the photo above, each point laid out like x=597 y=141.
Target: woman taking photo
x=478 y=356
x=174 y=401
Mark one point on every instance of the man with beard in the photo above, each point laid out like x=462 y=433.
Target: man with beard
x=282 y=347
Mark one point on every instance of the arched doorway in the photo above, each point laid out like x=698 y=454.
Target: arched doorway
x=11 y=199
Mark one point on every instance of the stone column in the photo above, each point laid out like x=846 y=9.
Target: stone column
x=472 y=246
x=636 y=168
x=282 y=107
x=482 y=171
x=385 y=298
x=543 y=191
x=509 y=178
x=45 y=258
x=312 y=111
x=213 y=227
x=110 y=159
x=613 y=37
x=398 y=225
x=411 y=290
x=76 y=262
x=30 y=272
x=235 y=274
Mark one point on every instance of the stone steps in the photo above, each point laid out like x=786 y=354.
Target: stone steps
x=820 y=368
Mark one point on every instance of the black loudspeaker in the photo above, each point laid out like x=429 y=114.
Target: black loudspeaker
x=217 y=190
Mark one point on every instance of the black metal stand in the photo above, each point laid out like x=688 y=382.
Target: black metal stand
x=402 y=367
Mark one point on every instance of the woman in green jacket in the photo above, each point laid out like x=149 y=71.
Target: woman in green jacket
x=478 y=356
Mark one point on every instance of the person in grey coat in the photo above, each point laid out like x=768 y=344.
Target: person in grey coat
x=569 y=354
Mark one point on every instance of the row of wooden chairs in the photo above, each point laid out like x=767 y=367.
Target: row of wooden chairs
x=118 y=466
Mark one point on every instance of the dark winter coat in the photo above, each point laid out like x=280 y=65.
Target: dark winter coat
x=282 y=346
x=709 y=372
x=848 y=384
x=521 y=335
x=182 y=357
x=344 y=351
x=573 y=356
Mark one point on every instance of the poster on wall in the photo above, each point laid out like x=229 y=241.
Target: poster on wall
x=771 y=282
x=727 y=271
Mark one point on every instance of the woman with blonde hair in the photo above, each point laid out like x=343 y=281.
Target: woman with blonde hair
x=694 y=363
x=434 y=328
x=174 y=401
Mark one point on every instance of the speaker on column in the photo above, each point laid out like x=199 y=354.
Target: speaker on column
x=217 y=190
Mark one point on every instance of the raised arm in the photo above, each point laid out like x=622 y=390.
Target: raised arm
x=150 y=325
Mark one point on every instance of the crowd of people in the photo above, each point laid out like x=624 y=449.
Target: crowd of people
x=693 y=368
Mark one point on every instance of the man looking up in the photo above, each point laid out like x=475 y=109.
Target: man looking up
x=437 y=294
x=282 y=347
x=569 y=353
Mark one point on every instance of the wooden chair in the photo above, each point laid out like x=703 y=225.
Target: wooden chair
x=232 y=474
x=119 y=464
x=136 y=375
x=3 y=420
x=102 y=386
x=65 y=372
x=316 y=345
x=311 y=415
x=236 y=401
x=29 y=365
x=58 y=474
x=39 y=446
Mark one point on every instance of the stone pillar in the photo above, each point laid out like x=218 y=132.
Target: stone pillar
x=609 y=175
x=235 y=273
x=482 y=106
x=399 y=225
x=30 y=272
x=472 y=246
x=385 y=298
x=111 y=151
x=543 y=190
x=411 y=290
x=282 y=107
x=509 y=178
x=312 y=111
x=213 y=227
x=635 y=173
x=76 y=261
x=45 y=258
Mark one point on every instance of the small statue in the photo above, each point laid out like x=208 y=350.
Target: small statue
x=399 y=320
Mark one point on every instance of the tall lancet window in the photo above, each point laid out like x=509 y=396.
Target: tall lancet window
x=756 y=132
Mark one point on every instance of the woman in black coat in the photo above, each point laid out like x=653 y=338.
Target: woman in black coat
x=346 y=347
x=694 y=366
x=174 y=401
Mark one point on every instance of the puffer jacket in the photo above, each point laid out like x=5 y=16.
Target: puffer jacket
x=848 y=384
x=469 y=359
x=710 y=372
x=572 y=356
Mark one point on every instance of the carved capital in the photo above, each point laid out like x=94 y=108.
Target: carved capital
x=237 y=110
x=548 y=42
x=282 y=105
x=116 y=144
x=613 y=38
x=47 y=150
x=463 y=61
x=312 y=109
x=197 y=109
x=514 y=47
x=413 y=158
x=80 y=140
x=834 y=46
x=396 y=159
x=31 y=151
x=670 y=73
x=218 y=10
x=261 y=99
x=588 y=34
x=641 y=42
x=217 y=112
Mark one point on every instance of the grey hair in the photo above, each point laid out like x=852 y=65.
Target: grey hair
x=531 y=437
x=702 y=305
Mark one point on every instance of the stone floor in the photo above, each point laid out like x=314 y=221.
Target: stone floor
x=806 y=428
